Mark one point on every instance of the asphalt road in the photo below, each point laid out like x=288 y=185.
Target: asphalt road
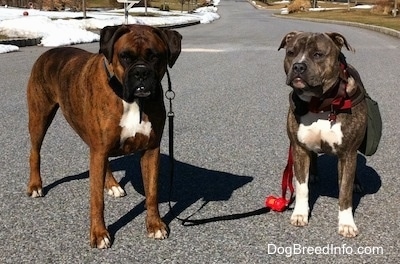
x=230 y=147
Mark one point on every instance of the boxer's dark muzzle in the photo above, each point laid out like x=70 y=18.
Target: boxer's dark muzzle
x=140 y=82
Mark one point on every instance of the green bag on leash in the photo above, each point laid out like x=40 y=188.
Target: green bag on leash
x=373 y=132
x=374 y=128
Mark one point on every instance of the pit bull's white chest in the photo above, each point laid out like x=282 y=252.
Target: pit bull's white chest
x=315 y=129
x=131 y=123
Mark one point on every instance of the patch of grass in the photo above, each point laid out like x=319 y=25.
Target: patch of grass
x=353 y=15
x=3 y=37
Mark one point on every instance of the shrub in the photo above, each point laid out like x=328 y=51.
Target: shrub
x=383 y=7
x=299 y=5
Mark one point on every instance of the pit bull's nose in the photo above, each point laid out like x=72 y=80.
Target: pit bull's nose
x=299 y=67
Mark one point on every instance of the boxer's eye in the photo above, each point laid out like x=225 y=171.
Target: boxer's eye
x=153 y=57
x=126 y=57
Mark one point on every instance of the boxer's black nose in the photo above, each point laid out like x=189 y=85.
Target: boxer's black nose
x=140 y=73
x=299 y=67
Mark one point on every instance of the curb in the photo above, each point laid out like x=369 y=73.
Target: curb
x=386 y=31
x=21 y=42
x=180 y=25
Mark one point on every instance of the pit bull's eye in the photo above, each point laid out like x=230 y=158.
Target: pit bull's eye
x=289 y=53
x=318 y=55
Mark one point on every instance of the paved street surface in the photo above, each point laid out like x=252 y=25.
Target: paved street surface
x=231 y=148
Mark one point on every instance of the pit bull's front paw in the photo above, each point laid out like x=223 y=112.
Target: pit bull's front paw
x=348 y=230
x=157 y=230
x=299 y=219
x=301 y=208
x=347 y=227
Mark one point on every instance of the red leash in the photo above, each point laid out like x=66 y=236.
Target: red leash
x=339 y=101
x=280 y=204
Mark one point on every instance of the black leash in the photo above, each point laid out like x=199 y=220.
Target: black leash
x=170 y=95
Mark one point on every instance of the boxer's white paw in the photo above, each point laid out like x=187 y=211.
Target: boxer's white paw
x=158 y=234
x=37 y=193
x=347 y=227
x=104 y=243
x=116 y=191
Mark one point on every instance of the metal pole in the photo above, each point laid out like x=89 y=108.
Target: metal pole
x=84 y=8
x=126 y=12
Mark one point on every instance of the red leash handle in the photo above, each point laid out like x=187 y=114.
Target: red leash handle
x=280 y=204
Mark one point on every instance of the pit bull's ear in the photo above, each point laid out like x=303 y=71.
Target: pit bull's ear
x=340 y=40
x=287 y=38
x=173 y=39
x=108 y=36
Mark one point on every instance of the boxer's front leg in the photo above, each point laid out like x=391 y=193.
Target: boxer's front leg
x=99 y=236
x=150 y=162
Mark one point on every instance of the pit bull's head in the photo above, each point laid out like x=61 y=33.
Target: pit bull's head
x=312 y=63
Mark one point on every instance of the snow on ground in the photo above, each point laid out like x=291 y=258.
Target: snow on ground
x=58 y=28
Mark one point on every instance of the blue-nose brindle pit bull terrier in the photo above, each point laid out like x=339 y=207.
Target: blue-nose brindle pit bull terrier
x=328 y=114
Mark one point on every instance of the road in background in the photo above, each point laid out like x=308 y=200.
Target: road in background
x=231 y=148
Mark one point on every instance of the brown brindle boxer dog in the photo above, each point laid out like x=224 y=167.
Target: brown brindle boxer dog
x=328 y=114
x=114 y=101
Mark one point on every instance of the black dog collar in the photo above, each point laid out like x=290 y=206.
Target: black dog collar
x=113 y=81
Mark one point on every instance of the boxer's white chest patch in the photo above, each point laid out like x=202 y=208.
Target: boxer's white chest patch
x=130 y=122
x=315 y=129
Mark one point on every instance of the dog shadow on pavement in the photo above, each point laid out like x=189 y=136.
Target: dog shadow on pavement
x=189 y=185
x=327 y=180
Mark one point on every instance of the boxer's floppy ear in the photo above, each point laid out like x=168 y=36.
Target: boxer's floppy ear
x=339 y=40
x=108 y=36
x=173 y=39
x=287 y=38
